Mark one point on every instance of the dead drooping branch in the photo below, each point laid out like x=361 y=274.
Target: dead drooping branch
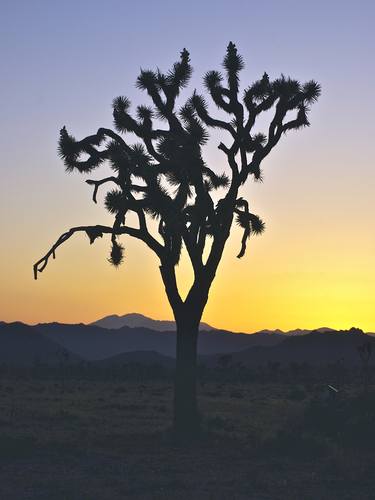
x=94 y=232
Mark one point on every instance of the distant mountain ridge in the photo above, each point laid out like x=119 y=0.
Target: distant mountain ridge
x=298 y=331
x=93 y=343
x=136 y=320
x=25 y=344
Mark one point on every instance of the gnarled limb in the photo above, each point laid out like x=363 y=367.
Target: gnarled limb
x=94 y=232
x=98 y=183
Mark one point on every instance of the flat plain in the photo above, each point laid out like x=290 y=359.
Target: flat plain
x=110 y=440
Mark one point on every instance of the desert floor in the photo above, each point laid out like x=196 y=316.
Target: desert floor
x=110 y=440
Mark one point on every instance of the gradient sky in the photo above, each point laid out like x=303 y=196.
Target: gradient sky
x=63 y=63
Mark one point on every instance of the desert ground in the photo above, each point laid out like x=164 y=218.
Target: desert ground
x=71 y=439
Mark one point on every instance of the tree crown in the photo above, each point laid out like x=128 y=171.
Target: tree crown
x=164 y=175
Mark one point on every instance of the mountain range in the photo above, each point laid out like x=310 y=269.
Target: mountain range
x=132 y=339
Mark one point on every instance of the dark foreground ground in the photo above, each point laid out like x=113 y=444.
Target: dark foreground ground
x=108 y=441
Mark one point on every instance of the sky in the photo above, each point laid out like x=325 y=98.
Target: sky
x=64 y=62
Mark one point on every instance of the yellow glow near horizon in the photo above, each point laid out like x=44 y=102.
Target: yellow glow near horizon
x=279 y=284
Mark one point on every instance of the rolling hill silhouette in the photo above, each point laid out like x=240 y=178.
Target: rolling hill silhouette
x=23 y=344
x=93 y=342
x=315 y=348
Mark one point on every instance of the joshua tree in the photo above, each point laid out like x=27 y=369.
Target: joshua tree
x=164 y=177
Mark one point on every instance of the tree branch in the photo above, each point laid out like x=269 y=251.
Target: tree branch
x=94 y=232
x=168 y=275
x=110 y=133
x=91 y=182
x=194 y=255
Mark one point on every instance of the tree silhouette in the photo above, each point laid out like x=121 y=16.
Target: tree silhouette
x=164 y=177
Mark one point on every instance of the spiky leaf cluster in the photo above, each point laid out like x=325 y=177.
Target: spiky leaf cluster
x=164 y=175
x=117 y=254
x=71 y=150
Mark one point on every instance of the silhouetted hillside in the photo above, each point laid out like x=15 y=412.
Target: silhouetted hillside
x=24 y=345
x=92 y=342
x=298 y=331
x=135 y=320
x=314 y=348
x=223 y=341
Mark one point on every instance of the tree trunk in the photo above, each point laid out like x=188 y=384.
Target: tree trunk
x=187 y=315
x=186 y=416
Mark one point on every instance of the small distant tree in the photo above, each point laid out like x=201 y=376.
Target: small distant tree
x=164 y=177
